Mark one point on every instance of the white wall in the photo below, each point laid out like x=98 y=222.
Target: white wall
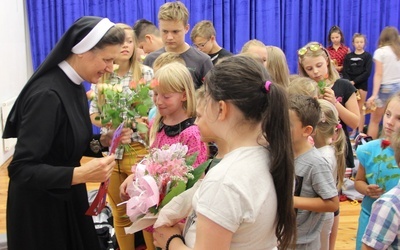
x=15 y=56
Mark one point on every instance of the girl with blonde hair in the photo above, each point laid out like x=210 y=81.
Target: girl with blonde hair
x=314 y=61
x=277 y=66
x=330 y=140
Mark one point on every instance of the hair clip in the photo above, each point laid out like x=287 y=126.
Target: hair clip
x=323 y=119
x=267 y=85
x=339 y=126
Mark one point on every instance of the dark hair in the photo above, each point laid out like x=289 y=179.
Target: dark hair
x=142 y=27
x=335 y=29
x=241 y=81
x=113 y=36
x=307 y=109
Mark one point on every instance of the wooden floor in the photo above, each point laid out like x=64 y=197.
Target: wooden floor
x=347 y=226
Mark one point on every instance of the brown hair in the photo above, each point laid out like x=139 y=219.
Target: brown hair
x=335 y=29
x=390 y=37
x=226 y=82
x=144 y=27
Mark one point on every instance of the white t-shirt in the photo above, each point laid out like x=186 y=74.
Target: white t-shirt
x=391 y=65
x=239 y=194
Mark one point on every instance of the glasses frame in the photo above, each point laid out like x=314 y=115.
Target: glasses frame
x=312 y=47
x=201 y=45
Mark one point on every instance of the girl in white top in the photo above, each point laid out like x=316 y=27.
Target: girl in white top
x=330 y=140
x=244 y=201
x=387 y=76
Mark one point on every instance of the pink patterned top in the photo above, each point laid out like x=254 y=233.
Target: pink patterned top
x=189 y=136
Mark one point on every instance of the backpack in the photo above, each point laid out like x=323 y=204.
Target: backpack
x=103 y=223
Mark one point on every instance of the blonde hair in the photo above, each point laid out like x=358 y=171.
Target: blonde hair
x=174 y=11
x=167 y=57
x=329 y=127
x=252 y=55
x=302 y=85
x=395 y=142
x=277 y=66
x=203 y=29
x=332 y=72
x=357 y=35
x=253 y=42
x=390 y=37
x=174 y=77
x=135 y=65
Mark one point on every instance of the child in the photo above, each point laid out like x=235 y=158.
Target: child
x=302 y=85
x=129 y=70
x=163 y=59
x=382 y=231
x=314 y=62
x=386 y=77
x=277 y=65
x=337 y=50
x=173 y=23
x=357 y=67
x=217 y=147
x=147 y=35
x=256 y=47
x=330 y=140
x=203 y=37
x=243 y=200
x=176 y=111
x=315 y=191
x=378 y=171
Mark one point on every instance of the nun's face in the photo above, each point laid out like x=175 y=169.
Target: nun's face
x=95 y=63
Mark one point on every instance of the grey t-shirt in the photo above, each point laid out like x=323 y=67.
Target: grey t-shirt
x=313 y=179
x=196 y=61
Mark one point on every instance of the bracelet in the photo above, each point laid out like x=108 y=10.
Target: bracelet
x=173 y=237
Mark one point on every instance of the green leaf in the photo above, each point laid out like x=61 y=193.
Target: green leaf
x=197 y=173
x=176 y=190
x=189 y=160
x=142 y=128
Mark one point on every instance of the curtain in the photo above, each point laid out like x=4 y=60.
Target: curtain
x=288 y=24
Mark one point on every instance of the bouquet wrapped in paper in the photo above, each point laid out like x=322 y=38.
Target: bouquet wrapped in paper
x=163 y=174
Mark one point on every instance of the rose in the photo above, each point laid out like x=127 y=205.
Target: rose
x=90 y=94
x=385 y=144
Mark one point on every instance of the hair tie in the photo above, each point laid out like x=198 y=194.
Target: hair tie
x=339 y=126
x=267 y=85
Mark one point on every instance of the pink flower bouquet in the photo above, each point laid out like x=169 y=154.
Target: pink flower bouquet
x=163 y=174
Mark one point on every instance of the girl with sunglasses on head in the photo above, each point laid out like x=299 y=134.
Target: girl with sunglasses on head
x=314 y=61
x=337 y=50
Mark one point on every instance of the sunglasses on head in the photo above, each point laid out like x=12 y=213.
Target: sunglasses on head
x=312 y=47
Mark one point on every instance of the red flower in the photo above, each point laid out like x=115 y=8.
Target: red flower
x=385 y=144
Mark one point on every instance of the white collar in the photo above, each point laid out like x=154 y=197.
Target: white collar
x=70 y=72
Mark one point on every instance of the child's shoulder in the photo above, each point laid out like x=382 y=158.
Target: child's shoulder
x=312 y=156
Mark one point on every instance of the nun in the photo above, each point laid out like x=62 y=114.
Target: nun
x=47 y=196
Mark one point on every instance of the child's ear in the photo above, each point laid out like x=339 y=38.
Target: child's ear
x=223 y=110
x=184 y=97
x=308 y=130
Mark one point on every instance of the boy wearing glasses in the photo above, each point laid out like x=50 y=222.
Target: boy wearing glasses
x=173 y=25
x=203 y=38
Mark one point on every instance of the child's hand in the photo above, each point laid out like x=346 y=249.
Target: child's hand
x=374 y=191
x=122 y=189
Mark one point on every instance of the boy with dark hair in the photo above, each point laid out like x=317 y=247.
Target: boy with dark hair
x=315 y=190
x=203 y=37
x=147 y=35
x=173 y=23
